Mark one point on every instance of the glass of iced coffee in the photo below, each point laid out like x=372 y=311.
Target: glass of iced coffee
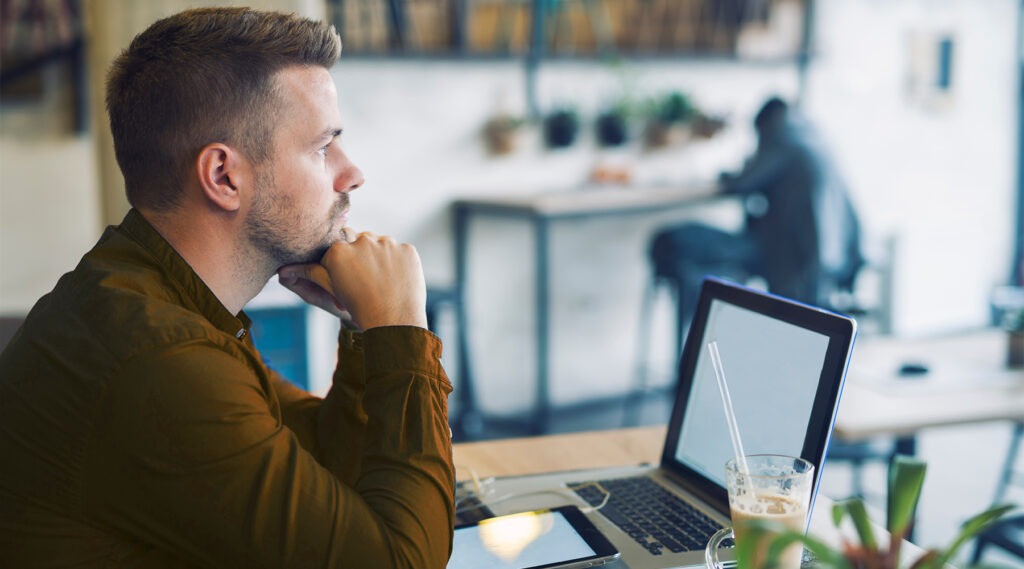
x=776 y=491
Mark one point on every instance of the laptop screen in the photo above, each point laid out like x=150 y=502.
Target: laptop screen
x=772 y=370
x=784 y=363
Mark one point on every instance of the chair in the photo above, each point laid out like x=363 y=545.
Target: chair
x=840 y=293
x=867 y=292
x=859 y=453
x=1007 y=534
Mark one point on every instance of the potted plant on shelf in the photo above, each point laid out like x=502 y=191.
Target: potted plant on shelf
x=561 y=127
x=706 y=126
x=500 y=134
x=666 y=119
x=906 y=478
x=612 y=126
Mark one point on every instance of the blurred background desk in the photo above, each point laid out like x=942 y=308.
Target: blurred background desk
x=960 y=380
x=966 y=381
x=541 y=211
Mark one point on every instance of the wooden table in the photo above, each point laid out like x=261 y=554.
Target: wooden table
x=533 y=455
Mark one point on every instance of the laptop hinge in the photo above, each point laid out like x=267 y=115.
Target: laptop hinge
x=720 y=505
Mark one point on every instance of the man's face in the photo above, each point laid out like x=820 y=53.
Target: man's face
x=301 y=192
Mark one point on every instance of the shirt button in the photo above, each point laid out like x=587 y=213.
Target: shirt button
x=240 y=334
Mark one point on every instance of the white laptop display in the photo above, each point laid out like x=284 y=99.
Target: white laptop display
x=785 y=362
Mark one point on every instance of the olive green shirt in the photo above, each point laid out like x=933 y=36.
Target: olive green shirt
x=139 y=427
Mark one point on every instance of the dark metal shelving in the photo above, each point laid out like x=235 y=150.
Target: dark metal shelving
x=539 y=31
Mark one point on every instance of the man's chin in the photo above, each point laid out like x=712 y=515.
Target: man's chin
x=311 y=257
x=314 y=255
x=318 y=254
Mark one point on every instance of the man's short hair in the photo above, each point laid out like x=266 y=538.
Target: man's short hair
x=198 y=77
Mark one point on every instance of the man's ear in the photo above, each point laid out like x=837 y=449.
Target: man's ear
x=222 y=172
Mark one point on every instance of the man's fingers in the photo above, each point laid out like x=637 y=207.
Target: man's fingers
x=309 y=271
x=378 y=279
x=349 y=233
x=312 y=284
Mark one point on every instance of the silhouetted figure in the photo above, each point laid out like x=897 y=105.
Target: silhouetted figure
x=800 y=226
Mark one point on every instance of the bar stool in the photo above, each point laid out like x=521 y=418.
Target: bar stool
x=664 y=275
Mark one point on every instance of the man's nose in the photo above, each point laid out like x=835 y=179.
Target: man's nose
x=349 y=178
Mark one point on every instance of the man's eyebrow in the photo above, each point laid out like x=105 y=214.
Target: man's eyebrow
x=329 y=132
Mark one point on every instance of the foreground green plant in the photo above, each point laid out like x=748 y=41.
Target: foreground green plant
x=906 y=478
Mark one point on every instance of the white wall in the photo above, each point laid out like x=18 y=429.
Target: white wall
x=940 y=175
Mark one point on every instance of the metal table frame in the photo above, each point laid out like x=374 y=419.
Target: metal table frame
x=541 y=211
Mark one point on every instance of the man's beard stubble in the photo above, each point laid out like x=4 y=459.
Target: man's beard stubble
x=272 y=227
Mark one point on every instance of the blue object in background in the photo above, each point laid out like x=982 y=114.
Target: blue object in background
x=944 y=76
x=279 y=334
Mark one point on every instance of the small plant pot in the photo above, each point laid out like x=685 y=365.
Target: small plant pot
x=501 y=136
x=560 y=129
x=707 y=127
x=657 y=134
x=612 y=130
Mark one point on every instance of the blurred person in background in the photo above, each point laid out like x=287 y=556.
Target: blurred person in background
x=800 y=227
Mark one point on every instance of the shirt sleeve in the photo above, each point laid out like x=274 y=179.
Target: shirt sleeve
x=191 y=457
x=341 y=411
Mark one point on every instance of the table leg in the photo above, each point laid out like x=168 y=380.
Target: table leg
x=906 y=445
x=541 y=414
x=467 y=422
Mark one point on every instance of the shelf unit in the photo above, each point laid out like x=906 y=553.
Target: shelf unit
x=545 y=30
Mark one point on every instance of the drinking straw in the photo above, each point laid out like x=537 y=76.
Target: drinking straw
x=730 y=415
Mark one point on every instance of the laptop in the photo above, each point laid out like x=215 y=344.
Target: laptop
x=785 y=363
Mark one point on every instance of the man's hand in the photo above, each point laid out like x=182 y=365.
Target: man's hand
x=376 y=279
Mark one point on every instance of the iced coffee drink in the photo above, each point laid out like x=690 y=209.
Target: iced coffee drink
x=781 y=511
x=775 y=489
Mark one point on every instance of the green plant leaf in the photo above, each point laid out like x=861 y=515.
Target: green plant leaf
x=747 y=548
x=928 y=560
x=676 y=107
x=838 y=513
x=974 y=526
x=859 y=514
x=906 y=477
x=825 y=555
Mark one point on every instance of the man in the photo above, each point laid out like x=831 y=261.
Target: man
x=138 y=424
x=800 y=228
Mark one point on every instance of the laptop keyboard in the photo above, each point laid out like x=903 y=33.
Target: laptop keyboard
x=654 y=517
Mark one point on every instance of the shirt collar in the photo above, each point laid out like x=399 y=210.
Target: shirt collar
x=179 y=273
